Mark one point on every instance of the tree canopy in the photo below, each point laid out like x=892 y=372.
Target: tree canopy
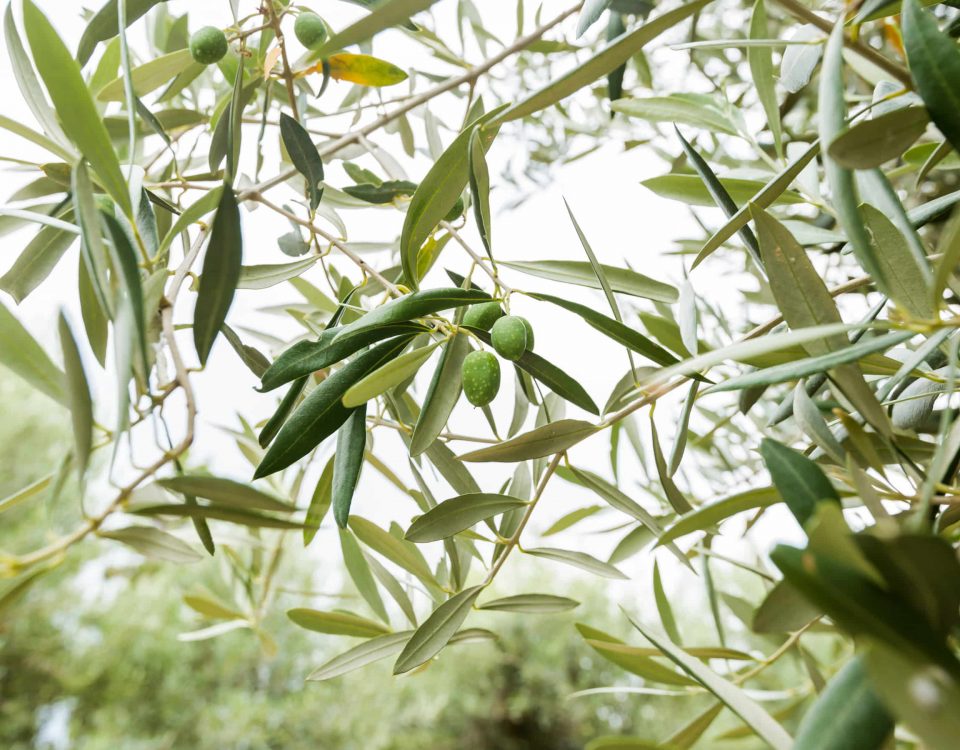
x=788 y=360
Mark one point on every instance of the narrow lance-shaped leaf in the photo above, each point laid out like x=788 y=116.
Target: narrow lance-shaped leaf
x=935 y=65
x=95 y=321
x=306 y=357
x=218 y=512
x=870 y=143
x=595 y=265
x=735 y=699
x=581 y=273
x=125 y=259
x=539 y=604
x=442 y=396
x=615 y=27
x=320 y=502
x=802 y=368
x=322 y=412
x=616 y=330
x=805 y=301
x=578 y=560
x=359 y=570
x=710 y=514
x=411 y=306
x=151 y=542
x=91 y=234
x=719 y=193
x=590 y=13
x=149 y=76
x=763 y=198
x=761 y=70
x=29 y=85
x=367 y=652
x=284 y=409
x=336 y=623
x=304 y=155
x=225 y=491
x=684 y=109
x=71 y=99
x=221 y=272
x=348 y=460
x=907 y=280
x=365 y=70
x=542 y=441
x=480 y=189
x=453 y=516
x=196 y=211
x=437 y=630
x=78 y=391
x=36 y=261
x=438 y=193
x=388 y=376
x=833 y=115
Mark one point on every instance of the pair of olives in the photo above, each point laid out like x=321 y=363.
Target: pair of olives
x=209 y=44
x=510 y=335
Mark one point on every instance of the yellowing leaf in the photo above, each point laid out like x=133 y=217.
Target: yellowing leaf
x=364 y=69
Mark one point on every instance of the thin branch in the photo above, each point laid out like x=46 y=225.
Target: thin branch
x=514 y=541
x=336 y=242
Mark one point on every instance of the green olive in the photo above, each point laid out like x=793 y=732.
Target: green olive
x=483 y=315
x=208 y=45
x=310 y=30
x=480 y=374
x=456 y=211
x=509 y=337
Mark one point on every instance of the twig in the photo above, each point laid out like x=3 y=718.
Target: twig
x=514 y=540
x=337 y=243
x=287 y=73
x=481 y=263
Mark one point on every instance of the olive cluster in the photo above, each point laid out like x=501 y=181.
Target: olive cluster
x=511 y=337
x=209 y=44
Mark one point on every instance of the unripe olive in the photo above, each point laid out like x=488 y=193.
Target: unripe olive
x=310 y=30
x=483 y=315
x=456 y=211
x=509 y=337
x=480 y=374
x=208 y=45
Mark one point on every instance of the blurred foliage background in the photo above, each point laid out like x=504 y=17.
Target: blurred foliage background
x=92 y=662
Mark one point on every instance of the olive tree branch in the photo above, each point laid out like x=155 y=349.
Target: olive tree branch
x=469 y=77
x=182 y=380
x=336 y=242
x=514 y=540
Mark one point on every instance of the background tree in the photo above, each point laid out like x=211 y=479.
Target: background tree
x=816 y=149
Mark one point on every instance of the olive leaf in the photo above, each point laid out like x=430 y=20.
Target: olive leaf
x=304 y=155
x=220 y=275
